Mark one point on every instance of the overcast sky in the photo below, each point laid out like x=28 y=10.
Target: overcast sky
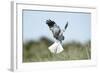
x=34 y=25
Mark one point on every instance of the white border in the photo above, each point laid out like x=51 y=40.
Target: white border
x=17 y=38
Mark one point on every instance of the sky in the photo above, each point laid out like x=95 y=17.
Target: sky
x=34 y=25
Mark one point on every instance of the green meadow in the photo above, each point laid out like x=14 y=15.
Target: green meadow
x=37 y=51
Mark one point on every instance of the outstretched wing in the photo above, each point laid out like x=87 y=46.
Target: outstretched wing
x=54 y=28
x=66 y=25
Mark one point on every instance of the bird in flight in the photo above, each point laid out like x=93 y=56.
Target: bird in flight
x=56 y=30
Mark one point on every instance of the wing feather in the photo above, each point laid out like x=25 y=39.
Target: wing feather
x=66 y=25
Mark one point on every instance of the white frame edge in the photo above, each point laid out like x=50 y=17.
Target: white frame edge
x=13 y=37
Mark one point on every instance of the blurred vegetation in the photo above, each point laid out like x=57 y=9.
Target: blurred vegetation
x=37 y=51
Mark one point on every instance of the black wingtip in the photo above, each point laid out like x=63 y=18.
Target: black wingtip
x=50 y=23
x=66 y=25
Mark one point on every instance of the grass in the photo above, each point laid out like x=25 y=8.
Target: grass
x=37 y=51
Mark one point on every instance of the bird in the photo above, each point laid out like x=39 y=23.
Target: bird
x=56 y=30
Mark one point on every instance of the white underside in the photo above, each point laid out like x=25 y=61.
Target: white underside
x=56 y=48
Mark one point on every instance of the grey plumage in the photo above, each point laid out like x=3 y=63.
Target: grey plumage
x=57 y=32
